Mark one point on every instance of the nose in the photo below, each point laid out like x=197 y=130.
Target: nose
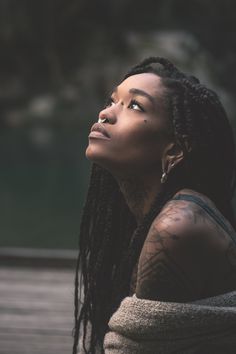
x=107 y=115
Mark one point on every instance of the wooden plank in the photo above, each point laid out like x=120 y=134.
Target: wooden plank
x=38 y=257
x=36 y=310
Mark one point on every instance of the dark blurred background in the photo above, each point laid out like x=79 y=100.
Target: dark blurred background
x=58 y=60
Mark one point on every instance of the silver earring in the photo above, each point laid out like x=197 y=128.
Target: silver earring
x=164 y=177
x=165 y=174
x=102 y=120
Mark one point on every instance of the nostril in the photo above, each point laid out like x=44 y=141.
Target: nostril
x=102 y=115
x=103 y=120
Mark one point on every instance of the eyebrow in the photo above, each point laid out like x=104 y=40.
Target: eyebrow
x=139 y=92
x=142 y=93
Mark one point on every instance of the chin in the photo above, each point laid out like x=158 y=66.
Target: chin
x=94 y=156
x=114 y=166
x=88 y=153
x=91 y=155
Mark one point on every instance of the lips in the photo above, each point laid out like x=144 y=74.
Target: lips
x=97 y=127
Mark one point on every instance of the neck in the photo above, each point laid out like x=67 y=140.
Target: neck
x=139 y=193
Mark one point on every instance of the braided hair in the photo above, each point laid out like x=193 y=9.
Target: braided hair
x=110 y=240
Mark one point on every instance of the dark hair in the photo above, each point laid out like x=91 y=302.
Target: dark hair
x=110 y=240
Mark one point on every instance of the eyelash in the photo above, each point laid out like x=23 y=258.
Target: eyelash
x=110 y=101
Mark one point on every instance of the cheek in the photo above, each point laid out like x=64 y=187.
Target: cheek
x=142 y=143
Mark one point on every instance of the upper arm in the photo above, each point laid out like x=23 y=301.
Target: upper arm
x=172 y=263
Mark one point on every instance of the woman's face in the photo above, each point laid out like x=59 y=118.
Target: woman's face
x=137 y=127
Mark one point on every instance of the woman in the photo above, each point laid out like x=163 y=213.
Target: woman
x=158 y=221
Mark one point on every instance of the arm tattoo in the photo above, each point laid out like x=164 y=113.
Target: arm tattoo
x=183 y=248
x=159 y=277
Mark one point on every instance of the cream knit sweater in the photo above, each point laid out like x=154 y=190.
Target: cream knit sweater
x=206 y=326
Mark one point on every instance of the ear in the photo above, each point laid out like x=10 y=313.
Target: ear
x=172 y=155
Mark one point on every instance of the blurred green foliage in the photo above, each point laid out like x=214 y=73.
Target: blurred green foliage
x=58 y=60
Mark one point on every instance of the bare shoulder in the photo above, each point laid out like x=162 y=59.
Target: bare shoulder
x=189 y=218
x=177 y=214
x=181 y=219
x=182 y=250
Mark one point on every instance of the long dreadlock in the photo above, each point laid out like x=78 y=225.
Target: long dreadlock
x=110 y=240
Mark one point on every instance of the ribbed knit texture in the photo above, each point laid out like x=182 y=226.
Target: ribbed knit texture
x=206 y=326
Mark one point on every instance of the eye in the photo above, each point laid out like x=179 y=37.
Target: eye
x=109 y=102
x=136 y=106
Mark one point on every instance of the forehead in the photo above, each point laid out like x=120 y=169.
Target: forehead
x=148 y=82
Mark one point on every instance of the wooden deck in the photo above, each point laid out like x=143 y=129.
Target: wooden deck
x=36 y=303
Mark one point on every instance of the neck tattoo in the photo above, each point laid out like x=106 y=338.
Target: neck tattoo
x=136 y=195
